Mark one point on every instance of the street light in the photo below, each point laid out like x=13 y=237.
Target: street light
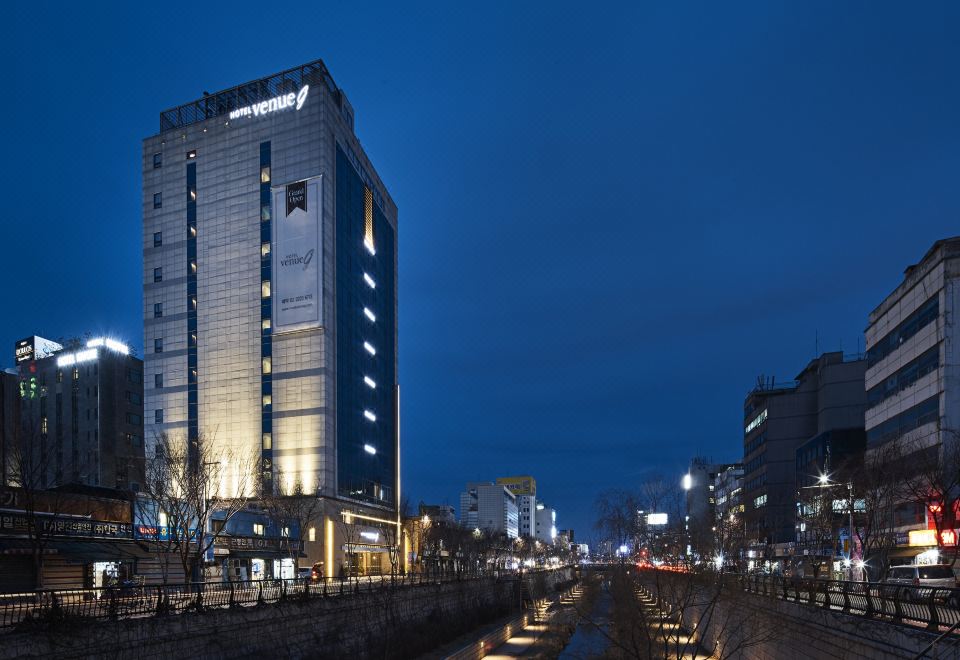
x=823 y=481
x=687 y=481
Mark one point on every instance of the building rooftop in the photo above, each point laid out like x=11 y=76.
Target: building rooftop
x=940 y=250
x=223 y=102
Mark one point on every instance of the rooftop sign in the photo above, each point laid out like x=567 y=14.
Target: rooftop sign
x=277 y=103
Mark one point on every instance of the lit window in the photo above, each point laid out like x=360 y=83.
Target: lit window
x=370 y=315
x=193 y=302
x=192 y=154
x=370 y=349
x=158 y=380
x=265 y=289
x=157 y=239
x=158 y=345
x=193 y=267
x=193 y=231
x=267 y=400
x=369 y=415
x=43 y=425
x=369 y=281
x=264 y=249
x=157 y=310
x=312 y=534
x=158 y=274
x=157 y=160
x=192 y=194
x=265 y=212
x=370 y=382
x=258 y=529
x=368 y=219
x=265 y=324
x=265 y=174
x=157 y=200
x=285 y=532
x=267 y=365
x=162 y=519
x=370 y=449
x=158 y=416
x=267 y=441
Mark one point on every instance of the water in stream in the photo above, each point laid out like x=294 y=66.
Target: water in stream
x=587 y=641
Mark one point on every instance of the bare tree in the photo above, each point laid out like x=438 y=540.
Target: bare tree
x=933 y=482
x=616 y=517
x=186 y=488
x=878 y=486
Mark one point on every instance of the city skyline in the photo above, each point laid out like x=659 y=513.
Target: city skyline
x=588 y=256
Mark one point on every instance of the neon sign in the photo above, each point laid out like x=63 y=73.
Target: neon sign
x=277 y=103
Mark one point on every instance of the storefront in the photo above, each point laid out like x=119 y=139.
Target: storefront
x=242 y=558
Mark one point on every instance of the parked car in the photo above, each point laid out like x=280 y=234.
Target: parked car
x=940 y=576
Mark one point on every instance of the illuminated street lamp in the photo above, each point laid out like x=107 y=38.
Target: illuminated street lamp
x=687 y=481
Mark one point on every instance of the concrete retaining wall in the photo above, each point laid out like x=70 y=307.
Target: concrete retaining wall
x=400 y=622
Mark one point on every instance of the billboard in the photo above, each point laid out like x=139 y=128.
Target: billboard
x=297 y=255
x=523 y=485
x=34 y=348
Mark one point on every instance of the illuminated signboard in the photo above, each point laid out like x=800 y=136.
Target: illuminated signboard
x=656 y=519
x=34 y=348
x=277 y=103
x=926 y=537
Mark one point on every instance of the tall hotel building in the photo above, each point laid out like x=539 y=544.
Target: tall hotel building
x=270 y=299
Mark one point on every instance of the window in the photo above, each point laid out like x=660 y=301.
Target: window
x=157 y=200
x=192 y=194
x=191 y=154
x=134 y=398
x=923 y=316
x=157 y=238
x=264 y=249
x=158 y=416
x=265 y=212
x=760 y=501
x=258 y=529
x=368 y=219
x=266 y=365
x=158 y=380
x=265 y=289
x=267 y=400
x=285 y=532
x=158 y=345
x=158 y=274
x=133 y=376
x=134 y=419
x=312 y=534
x=265 y=174
x=265 y=324
x=157 y=160
x=59 y=376
x=267 y=441
x=157 y=310
x=76 y=374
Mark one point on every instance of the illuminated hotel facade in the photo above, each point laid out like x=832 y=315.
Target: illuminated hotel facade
x=270 y=306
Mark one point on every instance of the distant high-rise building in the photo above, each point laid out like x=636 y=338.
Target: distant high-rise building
x=827 y=395
x=527 y=515
x=546 y=530
x=81 y=415
x=490 y=507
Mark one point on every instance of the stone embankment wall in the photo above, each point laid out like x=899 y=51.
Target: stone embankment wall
x=401 y=622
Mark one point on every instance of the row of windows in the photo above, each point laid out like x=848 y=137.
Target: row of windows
x=158 y=158
x=756 y=482
x=913 y=418
x=905 y=377
x=754 y=464
x=923 y=316
x=754 y=444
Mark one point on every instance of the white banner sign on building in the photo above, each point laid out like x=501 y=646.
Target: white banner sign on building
x=297 y=255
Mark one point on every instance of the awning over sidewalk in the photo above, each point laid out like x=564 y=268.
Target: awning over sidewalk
x=76 y=550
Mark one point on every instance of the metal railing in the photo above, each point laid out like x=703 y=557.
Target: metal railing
x=935 y=608
x=49 y=606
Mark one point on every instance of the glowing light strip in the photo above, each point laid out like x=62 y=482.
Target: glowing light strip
x=370 y=315
x=369 y=281
x=372 y=384
x=370 y=449
x=348 y=515
x=369 y=415
x=370 y=349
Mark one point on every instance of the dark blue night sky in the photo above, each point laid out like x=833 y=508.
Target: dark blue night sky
x=610 y=222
